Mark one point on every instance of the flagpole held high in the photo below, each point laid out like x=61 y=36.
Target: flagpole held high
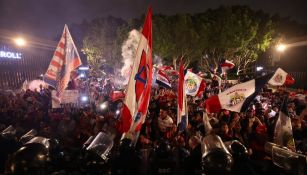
x=65 y=59
x=139 y=85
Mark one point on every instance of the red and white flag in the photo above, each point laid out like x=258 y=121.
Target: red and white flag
x=238 y=97
x=226 y=65
x=139 y=85
x=168 y=70
x=65 y=59
x=182 y=110
x=281 y=78
x=194 y=84
x=163 y=80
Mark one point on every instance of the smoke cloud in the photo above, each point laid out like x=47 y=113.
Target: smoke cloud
x=129 y=48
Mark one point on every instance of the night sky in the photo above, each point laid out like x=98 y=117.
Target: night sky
x=46 y=18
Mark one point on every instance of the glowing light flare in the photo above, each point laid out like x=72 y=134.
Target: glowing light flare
x=20 y=42
x=84 y=98
x=117 y=112
x=103 y=105
x=281 y=47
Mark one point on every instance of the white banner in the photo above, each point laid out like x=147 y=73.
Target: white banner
x=69 y=96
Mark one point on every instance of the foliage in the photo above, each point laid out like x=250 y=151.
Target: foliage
x=236 y=33
x=101 y=43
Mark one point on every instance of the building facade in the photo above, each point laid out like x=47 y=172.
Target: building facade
x=18 y=65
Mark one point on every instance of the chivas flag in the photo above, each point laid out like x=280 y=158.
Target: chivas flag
x=281 y=78
x=226 y=65
x=65 y=59
x=182 y=110
x=283 y=134
x=194 y=84
x=139 y=84
x=236 y=98
x=163 y=80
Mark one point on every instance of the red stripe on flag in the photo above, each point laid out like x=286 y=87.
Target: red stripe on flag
x=213 y=104
x=76 y=62
x=201 y=88
x=180 y=86
x=126 y=120
x=62 y=45
x=55 y=63
x=289 y=80
x=147 y=28
x=227 y=65
x=59 y=55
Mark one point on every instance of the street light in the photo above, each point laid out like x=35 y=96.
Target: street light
x=281 y=47
x=20 y=42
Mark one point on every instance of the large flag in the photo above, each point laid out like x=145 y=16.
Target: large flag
x=226 y=65
x=281 y=78
x=139 y=85
x=182 y=110
x=283 y=134
x=65 y=59
x=194 y=84
x=236 y=98
x=163 y=80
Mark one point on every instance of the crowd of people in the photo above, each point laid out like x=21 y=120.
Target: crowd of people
x=160 y=137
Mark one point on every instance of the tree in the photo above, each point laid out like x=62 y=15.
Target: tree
x=236 y=33
x=100 y=44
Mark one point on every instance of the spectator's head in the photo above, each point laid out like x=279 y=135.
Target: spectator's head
x=163 y=113
x=250 y=113
x=224 y=128
x=194 y=142
x=296 y=123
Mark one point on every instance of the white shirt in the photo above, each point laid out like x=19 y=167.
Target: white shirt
x=165 y=123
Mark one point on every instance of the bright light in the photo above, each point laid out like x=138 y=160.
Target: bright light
x=84 y=98
x=281 y=47
x=20 y=42
x=82 y=75
x=103 y=105
x=117 y=112
x=41 y=75
x=259 y=68
x=83 y=68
